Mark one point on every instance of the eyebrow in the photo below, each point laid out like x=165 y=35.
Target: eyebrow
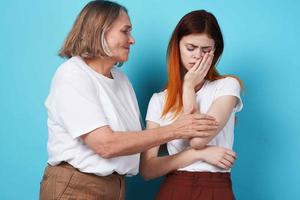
x=198 y=46
x=127 y=26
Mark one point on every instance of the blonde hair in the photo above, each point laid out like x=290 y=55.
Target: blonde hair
x=87 y=36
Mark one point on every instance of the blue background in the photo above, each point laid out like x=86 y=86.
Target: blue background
x=261 y=47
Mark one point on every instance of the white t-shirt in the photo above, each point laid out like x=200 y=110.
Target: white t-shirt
x=210 y=91
x=81 y=100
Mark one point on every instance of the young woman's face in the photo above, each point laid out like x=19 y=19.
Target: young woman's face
x=119 y=38
x=193 y=47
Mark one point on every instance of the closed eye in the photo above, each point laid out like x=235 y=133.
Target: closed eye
x=190 y=49
x=206 y=49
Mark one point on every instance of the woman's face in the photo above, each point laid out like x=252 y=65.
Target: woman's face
x=119 y=38
x=193 y=47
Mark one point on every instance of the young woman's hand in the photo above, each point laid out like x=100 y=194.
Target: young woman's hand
x=218 y=156
x=198 y=72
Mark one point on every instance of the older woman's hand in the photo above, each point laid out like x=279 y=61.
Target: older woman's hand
x=194 y=125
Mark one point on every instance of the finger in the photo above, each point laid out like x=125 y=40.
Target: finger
x=204 y=116
x=208 y=61
x=231 y=153
x=205 y=65
x=203 y=60
x=197 y=64
x=200 y=63
x=208 y=122
x=222 y=165
x=206 y=128
x=202 y=134
x=194 y=68
x=226 y=163
x=229 y=158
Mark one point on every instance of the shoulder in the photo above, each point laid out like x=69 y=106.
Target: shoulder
x=227 y=82
x=157 y=100
x=228 y=79
x=159 y=96
x=72 y=69
x=72 y=73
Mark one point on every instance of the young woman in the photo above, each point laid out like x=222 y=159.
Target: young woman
x=197 y=168
x=93 y=117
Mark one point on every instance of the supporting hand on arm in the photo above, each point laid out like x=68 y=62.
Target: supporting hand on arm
x=153 y=166
x=108 y=143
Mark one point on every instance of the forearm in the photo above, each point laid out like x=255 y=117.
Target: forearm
x=135 y=142
x=189 y=102
x=201 y=142
x=221 y=109
x=159 y=166
x=189 y=98
x=109 y=144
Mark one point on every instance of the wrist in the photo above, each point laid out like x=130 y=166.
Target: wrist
x=198 y=154
x=171 y=131
x=201 y=154
x=188 y=85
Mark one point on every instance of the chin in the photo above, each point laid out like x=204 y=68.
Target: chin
x=123 y=59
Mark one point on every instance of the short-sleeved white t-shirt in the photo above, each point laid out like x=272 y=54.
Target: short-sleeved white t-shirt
x=210 y=91
x=81 y=100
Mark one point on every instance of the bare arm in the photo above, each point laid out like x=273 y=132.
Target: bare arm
x=193 y=78
x=221 y=109
x=153 y=166
x=109 y=144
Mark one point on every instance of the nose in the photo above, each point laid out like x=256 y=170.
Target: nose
x=131 y=40
x=198 y=54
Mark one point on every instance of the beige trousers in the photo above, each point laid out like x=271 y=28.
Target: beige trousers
x=66 y=182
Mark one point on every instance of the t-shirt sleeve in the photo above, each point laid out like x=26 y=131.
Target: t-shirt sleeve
x=78 y=109
x=230 y=86
x=154 y=110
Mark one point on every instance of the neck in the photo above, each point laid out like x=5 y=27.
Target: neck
x=101 y=65
x=199 y=86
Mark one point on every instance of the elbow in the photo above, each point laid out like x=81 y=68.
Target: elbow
x=105 y=150
x=197 y=143
x=147 y=178
x=101 y=142
x=146 y=173
x=104 y=153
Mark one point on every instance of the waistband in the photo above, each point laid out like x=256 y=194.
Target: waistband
x=70 y=167
x=204 y=175
x=199 y=179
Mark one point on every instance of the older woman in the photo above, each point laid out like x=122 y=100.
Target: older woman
x=93 y=117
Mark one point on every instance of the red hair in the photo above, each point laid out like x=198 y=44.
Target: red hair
x=195 y=22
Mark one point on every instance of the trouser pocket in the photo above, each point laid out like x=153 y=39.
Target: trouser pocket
x=55 y=182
